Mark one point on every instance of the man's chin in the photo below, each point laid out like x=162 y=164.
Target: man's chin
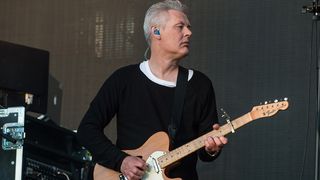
x=183 y=55
x=185 y=52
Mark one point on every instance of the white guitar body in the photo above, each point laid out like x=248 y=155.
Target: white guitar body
x=151 y=151
x=154 y=170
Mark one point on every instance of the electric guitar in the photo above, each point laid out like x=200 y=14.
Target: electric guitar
x=155 y=151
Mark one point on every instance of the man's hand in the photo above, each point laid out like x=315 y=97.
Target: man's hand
x=214 y=144
x=133 y=167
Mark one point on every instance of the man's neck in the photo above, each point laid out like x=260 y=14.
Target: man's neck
x=164 y=68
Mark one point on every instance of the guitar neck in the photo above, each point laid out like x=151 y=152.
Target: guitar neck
x=184 y=150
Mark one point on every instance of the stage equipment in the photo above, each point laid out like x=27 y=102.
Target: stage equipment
x=34 y=149
x=24 y=77
x=314 y=9
x=52 y=152
x=12 y=138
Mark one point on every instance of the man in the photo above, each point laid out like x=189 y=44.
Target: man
x=141 y=96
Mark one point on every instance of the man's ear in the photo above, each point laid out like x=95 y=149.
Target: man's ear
x=155 y=32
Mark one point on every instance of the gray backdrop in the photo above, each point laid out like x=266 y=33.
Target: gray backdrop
x=253 y=51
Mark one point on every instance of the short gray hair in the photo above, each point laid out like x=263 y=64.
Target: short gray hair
x=152 y=17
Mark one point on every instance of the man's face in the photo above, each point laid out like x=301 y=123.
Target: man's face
x=175 y=35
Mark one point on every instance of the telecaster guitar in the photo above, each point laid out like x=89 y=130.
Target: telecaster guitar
x=155 y=151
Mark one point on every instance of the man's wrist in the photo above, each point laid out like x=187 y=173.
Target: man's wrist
x=213 y=154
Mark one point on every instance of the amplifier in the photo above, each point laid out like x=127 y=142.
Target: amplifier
x=35 y=170
x=52 y=152
x=35 y=150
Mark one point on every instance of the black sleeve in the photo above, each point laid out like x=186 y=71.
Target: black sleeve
x=91 y=130
x=209 y=117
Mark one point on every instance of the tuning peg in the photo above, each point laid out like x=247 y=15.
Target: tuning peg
x=276 y=100
x=286 y=99
x=266 y=102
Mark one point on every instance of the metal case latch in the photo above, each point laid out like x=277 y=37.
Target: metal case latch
x=13 y=136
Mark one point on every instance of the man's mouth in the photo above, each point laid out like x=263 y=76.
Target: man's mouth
x=186 y=43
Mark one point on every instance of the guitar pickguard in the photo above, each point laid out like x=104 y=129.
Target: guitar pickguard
x=154 y=170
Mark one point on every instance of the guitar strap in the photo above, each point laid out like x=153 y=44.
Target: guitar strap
x=179 y=96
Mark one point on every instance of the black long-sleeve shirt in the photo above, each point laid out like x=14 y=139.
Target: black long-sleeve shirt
x=143 y=107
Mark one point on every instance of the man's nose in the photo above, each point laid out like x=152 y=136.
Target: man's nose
x=188 y=31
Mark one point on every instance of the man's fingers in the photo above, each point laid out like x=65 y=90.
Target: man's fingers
x=224 y=140
x=220 y=141
x=133 y=176
x=141 y=164
x=215 y=143
x=133 y=167
x=136 y=173
x=216 y=126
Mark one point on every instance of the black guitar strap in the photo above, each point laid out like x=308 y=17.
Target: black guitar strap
x=179 y=96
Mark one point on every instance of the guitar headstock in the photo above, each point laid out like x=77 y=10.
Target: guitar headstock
x=268 y=110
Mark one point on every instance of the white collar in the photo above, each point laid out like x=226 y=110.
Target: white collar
x=145 y=68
